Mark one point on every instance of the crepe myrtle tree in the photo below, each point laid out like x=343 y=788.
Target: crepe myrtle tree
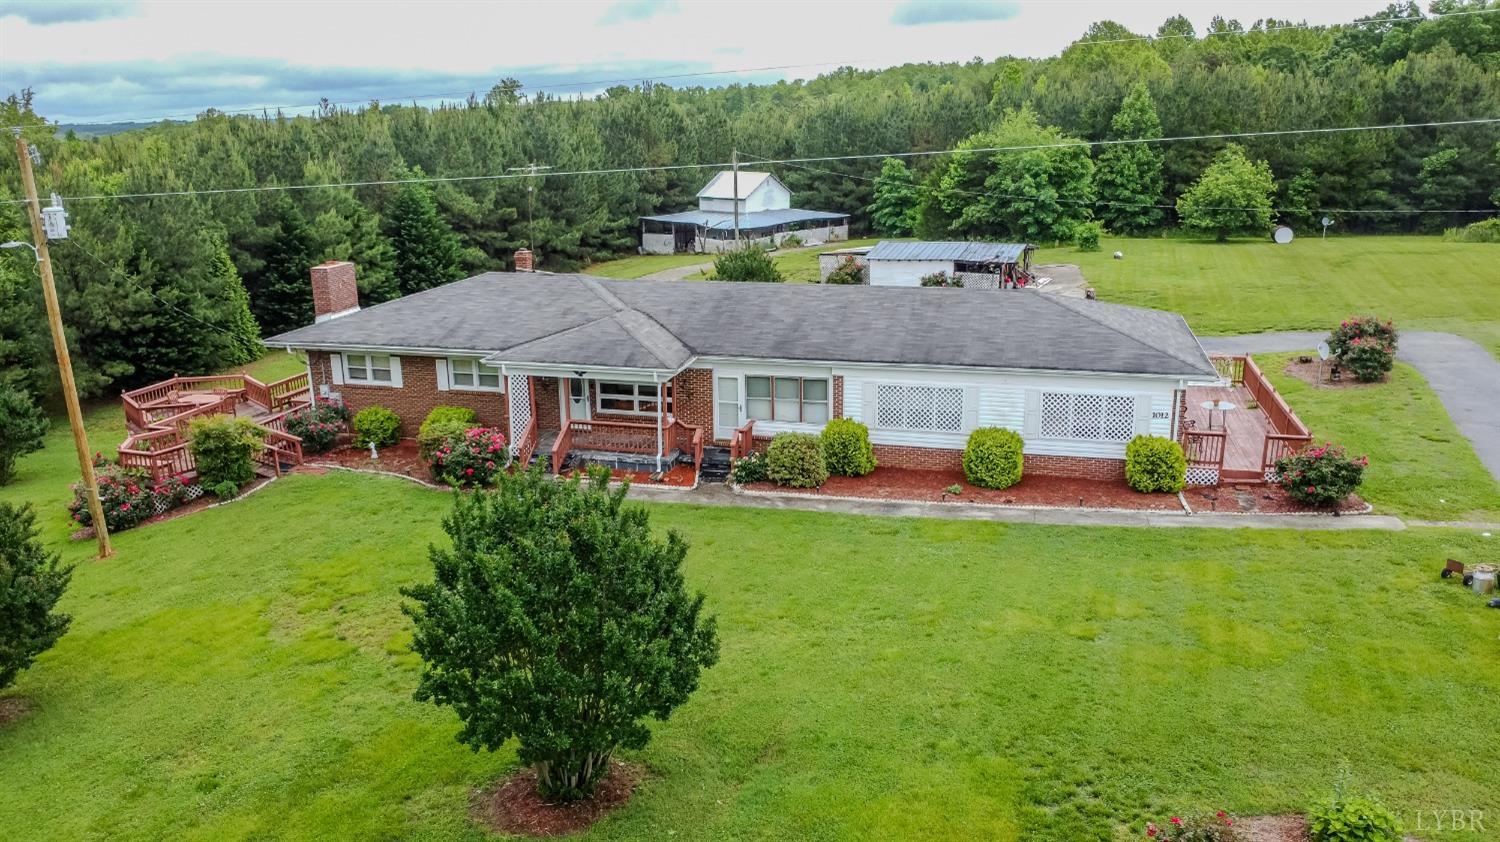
x=558 y=618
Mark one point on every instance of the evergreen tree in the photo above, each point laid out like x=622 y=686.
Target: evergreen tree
x=427 y=254
x=241 y=332
x=31 y=583
x=23 y=428
x=1128 y=180
x=281 y=292
x=894 y=211
x=1232 y=197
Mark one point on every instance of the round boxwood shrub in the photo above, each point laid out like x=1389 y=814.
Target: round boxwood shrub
x=796 y=460
x=992 y=458
x=443 y=426
x=1322 y=475
x=376 y=425
x=224 y=450
x=1153 y=463
x=846 y=447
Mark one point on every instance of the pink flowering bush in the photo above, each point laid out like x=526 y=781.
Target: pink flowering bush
x=126 y=494
x=473 y=459
x=318 y=426
x=1366 y=346
x=1216 y=828
x=1322 y=475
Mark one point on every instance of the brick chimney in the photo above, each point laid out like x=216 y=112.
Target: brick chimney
x=524 y=262
x=334 y=290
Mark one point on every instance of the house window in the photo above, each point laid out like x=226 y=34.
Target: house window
x=472 y=374
x=1089 y=417
x=928 y=408
x=367 y=368
x=631 y=398
x=793 y=400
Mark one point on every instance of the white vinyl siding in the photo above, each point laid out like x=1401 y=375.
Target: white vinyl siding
x=472 y=375
x=372 y=370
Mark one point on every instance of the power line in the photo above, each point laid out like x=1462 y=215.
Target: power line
x=742 y=70
x=162 y=301
x=788 y=161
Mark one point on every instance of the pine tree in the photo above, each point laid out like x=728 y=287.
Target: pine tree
x=241 y=332
x=427 y=251
x=894 y=211
x=31 y=583
x=281 y=292
x=1129 y=180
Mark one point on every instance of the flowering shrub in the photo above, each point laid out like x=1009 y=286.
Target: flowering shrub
x=1366 y=346
x=171 y=492
x=849 y=271
x=125 y=494
x=1322 y=475
x=750 y=468
x=941 y=279
x=474 y=459
x=318 y=426
x=1216 y=828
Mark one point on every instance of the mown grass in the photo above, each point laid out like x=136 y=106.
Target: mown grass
x=798 y=265
x=1248 y=286
x=641 y=265
x=244 y=672
x=1421 y=466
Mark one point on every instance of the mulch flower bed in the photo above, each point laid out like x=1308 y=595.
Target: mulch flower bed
x=13 y=708
x=1308 y=373
x=514 y=807
x=1272 y=829
x=197 y=504
x=401 y=458
x=908 y=485
x=679 y=476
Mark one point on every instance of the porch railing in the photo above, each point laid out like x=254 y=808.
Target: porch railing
x=526 y=445
x=1204 y=450
x=626 y=437
x=1288 y=434
x=742 y=442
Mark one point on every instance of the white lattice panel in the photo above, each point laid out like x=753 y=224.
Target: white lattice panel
x=518 y=397
x=919 y=407
x=1202 y=476
x=1119 y=417
x=1088 y=416
x=1056 y=409
x=890 y=406
x=948 y=410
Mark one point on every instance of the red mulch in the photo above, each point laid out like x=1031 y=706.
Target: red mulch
x=1271 y=829
x=909 y=485
x=514 y=807
x=1261 y=499
x=401 y=458
x=1308 y=373
x=679 y=476
x=13 y=708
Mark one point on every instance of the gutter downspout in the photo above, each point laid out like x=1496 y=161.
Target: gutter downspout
x=660 y=401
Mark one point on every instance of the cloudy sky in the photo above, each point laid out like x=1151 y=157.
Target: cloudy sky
x=106 y=60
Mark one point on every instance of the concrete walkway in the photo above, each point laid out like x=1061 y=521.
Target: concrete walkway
x=1463 y=374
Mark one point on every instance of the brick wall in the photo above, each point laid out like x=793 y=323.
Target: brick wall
x=548 y=408
x=1078 y=467
x=693 y=399
x=334 y=289
x=838 y=396
x=416 y=397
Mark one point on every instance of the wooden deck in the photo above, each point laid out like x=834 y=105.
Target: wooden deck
x=1241 y=444
x=158 y=415
x=1246 y=428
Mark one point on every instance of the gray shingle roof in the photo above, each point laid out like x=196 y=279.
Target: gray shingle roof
x=949 y=250
x=752 y=219
x=579 y=320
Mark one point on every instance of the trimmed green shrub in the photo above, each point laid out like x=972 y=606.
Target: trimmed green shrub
x=1321 y=476
x=318 y=426
x=1086 y=235
x=796 y=460
x=441 y=414
x=31 y=582
x=1483 y=231
x=846 y=447
x=476 y=457
x=224 y=449
x=443 y=426
x=23 y=427
x=1153 y=463
x=848 y=273
x=992 y=457
x=750 y=263
x=378 y=426
x=751 y=468
x=1345 y=818
x=224 y=489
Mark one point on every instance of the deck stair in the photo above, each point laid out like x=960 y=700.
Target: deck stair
x=715 y=465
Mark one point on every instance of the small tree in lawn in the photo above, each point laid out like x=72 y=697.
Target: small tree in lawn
x=750 y=263
x=31 y=582
x=1232 y=197
x=23 y=427
x=558 y=618
x=894 y=210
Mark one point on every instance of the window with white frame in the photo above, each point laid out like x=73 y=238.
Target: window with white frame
x=792 y=400
x=1091 y=417
x=367 y=368
x=631 y=398
x=927 y=408
x=472 y=374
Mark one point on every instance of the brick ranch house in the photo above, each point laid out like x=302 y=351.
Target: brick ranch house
x=659 y=370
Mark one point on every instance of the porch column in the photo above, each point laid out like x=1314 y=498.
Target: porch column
x=519 y=400
x=660 y=400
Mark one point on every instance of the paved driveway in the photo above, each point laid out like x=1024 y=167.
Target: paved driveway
x=1463 y=374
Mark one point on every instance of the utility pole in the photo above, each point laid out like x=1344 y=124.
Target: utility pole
x=734 y=163
x=533 y=170
x=60 y=346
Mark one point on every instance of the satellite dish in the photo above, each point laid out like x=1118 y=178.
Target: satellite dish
x=1323 y=350
x=1282 y=235
x=1327 y=222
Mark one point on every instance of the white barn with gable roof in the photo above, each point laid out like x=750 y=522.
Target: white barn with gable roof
x=766 y=217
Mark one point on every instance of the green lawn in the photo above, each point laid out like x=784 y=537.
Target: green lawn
x=641 y=265
x=1253 y=286
x=1421 y=466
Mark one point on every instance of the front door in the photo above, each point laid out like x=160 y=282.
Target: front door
x=726 y=407
x=578 y=399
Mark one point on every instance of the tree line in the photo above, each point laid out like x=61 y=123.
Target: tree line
x=188 y=283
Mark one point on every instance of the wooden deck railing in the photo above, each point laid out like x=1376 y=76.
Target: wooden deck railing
x=627 y=437
x=1204 y=448
x=1288 y=434
x=526 y=444
x=742 y=442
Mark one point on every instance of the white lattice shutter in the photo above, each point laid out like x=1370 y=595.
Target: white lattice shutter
x=519 y=387
x=336 y=368
x=442 y=375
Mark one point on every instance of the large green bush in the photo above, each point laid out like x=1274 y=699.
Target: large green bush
x=1483 y=231
x=1346 y=818
x=224 y=449
x=31 y=582
x=849 y=272
x=796 y=460
x=318 y=426
x=846 y=448
x=1366 y=346
x=23 y=426
x=992 y=457
x=1086 y=235
x=444 y=425
x=378 y=426
x=1153 y=463
x=559 y=618
x=1322 y=475
x=750 y=263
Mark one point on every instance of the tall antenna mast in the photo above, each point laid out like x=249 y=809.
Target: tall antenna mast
x=533 y=170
